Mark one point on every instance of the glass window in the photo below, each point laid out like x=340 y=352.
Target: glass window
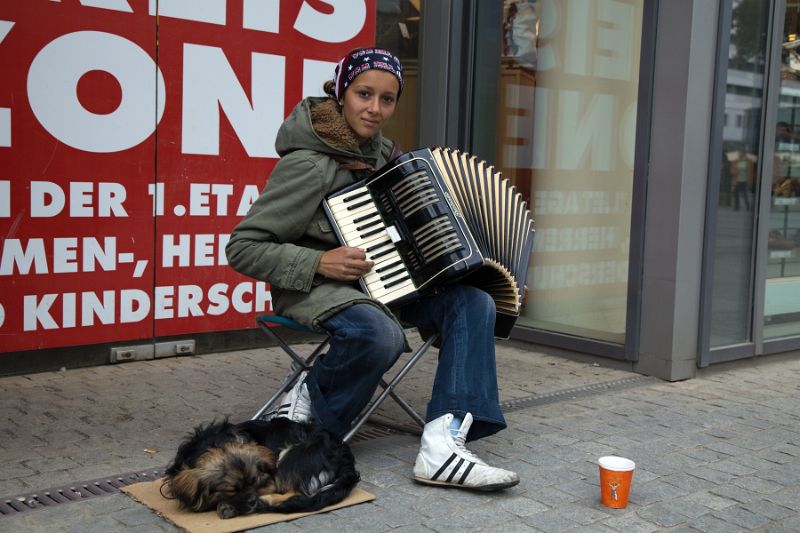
x=732 y=291
x=782 y=293
x=566 y=131
x=397 y=30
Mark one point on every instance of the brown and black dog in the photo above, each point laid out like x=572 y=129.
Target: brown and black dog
x=260 y=467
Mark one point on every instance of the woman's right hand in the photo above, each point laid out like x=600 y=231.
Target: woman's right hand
x=344 y=263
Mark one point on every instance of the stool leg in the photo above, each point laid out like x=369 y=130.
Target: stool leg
x=298 y=366
x=389 y=389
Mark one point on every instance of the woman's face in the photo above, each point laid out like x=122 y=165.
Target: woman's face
x=369 y=102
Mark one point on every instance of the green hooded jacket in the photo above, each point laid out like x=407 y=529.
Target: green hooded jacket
x=283 y=236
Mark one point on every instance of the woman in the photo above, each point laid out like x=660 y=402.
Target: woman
x=325 y=144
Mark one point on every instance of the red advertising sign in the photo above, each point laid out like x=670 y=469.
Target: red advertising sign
x=134 y=134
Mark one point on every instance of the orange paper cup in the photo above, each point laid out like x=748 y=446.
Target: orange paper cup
x=615 y=480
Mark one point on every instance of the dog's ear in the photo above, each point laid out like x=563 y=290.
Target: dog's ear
x=185 y=487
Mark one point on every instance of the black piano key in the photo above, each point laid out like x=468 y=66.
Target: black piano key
x=362 y=218
x=396 y=282
x=368 y=224
x=387 y=267
x=359 y=204
x=378 y=245
x=371 y=233
x=390 y=275
x=381 y=254
x=355 y=196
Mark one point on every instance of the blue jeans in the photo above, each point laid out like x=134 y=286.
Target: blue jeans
x=365 y=343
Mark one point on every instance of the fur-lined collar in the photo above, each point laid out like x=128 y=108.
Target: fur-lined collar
x=331 y=126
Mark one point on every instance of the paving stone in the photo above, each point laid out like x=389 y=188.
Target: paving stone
x=789 y=498
x=661 y=515
x=631 y=523
x=710 y=474
x=522 y=506
x=593 y=528
x=711 y=524
x=711 y=501
x=582 y=514
x=550 y=521
x=732 y=466
x=769 y=510
x=553 y=497
x=654 y=491
x=686 y=506
x=756 y=484
x=741 y=517
x=792 y=524
x=687 y=482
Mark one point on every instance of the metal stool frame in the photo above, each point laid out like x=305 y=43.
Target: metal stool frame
x=299 y=364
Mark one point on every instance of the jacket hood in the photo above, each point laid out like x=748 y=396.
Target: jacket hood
x=316 y=124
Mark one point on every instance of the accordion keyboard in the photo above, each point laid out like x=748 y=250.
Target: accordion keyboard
x=361 y=226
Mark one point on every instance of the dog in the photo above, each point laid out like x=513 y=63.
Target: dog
x=275 y=466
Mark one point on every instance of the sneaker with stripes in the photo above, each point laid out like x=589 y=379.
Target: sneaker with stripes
x=445 y=461
x=295 y=404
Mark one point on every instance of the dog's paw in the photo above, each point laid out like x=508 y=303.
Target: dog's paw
x=226 y=510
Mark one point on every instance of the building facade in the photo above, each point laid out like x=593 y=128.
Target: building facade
x=653 y=140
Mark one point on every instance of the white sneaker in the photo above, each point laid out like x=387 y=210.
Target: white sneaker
x=295 y=404
x=444 y=461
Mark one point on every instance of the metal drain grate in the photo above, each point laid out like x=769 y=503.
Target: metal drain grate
x=370 y=432
x=74 y=492
x=576 y=393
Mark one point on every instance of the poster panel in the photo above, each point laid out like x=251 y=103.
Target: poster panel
x=77 y=116
x=134 y=134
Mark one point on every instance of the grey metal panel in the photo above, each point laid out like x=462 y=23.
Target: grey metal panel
x=684 y=81
x=731 y=353
x=781 y=345
x=446 y=76
x=714 y=169
x=766 y=160
x=434 y=72
x=486 y=80
x=568 y=342
x=641 y=167
x=461 y=75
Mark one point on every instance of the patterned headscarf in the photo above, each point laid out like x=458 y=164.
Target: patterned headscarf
x=361 y=60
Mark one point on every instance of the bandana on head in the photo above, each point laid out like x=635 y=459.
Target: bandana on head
x=361 y=60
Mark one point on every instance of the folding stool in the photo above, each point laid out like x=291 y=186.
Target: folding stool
x=299 y=364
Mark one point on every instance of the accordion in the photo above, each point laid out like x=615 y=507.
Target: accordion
x=436 y=216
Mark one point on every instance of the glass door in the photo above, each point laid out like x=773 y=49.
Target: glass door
x=782 y=284
x=737 y=158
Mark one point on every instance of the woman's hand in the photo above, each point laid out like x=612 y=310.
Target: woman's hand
x=344 y=263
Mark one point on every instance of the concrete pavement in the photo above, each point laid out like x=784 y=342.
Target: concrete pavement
x=717 y=453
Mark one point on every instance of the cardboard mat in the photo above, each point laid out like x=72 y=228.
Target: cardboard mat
x=148 y=493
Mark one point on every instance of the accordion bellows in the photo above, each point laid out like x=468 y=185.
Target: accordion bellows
x=437 y=216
